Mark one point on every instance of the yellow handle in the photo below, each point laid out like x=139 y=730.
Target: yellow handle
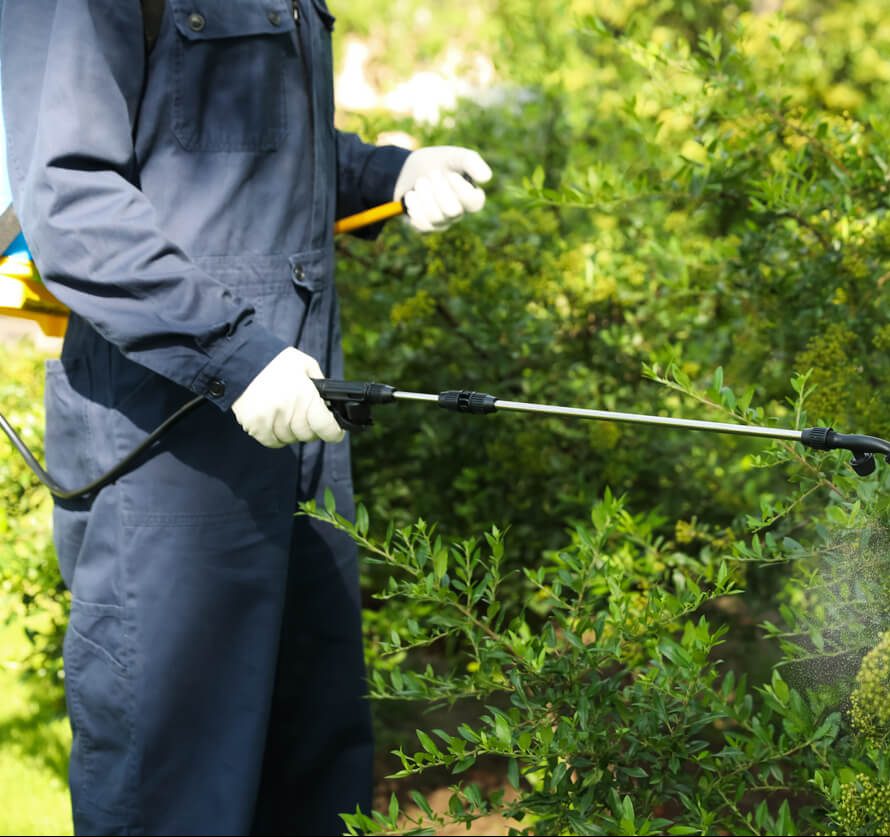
x=369 y=216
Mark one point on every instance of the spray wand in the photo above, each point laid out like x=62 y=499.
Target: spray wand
x=351 y=402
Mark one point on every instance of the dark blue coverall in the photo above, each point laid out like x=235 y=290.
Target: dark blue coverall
x=182 y=204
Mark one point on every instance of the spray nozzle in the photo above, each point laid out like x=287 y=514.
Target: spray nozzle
x=863 y=464
x=863 y=448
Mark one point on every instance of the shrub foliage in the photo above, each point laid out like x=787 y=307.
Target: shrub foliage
x=650 y=630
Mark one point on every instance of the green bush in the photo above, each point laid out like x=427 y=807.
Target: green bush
x=686 y=194
x=604 y=693
x=605 y=690
x=29 y=574
x=859 y=793
x=665 y=194
x=864 y=807
x=871 y=709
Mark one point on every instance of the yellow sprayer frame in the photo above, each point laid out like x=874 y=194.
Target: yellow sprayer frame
x=22 y=294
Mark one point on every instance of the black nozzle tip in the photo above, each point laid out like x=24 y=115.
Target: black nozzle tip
x=864 y=464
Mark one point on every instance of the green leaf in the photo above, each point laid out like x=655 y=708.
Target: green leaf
x=627 y=808
x=513 y=773
x=627 y=825
x=502 y=730
x=427 y=743
x=780 y=687
x=545 y=736
x=440 y=564
x=361 y=520
x=421 y=802
x=330 y=504
x=467 y=732
x=474 y=795
x=785 y=824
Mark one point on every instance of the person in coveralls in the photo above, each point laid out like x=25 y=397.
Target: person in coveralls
x=181 y=202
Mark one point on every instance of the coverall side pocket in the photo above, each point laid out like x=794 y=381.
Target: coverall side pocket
x=71 y=459
x=228 y=75
x=100 y=698
x=75 y=452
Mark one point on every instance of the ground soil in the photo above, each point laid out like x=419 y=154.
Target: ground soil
x=396 y=724
x=436 y=787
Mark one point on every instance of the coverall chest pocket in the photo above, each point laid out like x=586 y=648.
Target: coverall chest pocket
x=230 y=61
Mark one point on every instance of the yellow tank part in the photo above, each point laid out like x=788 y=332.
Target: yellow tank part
x=23 y=295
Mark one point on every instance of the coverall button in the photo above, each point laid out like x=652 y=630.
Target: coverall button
x=196 y=22
x=216 y=388
x=299 y=273
x=274 y=18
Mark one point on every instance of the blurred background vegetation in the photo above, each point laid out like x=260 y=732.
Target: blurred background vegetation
x=689 y=218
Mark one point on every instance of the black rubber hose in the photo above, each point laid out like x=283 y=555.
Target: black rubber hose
x=122 y=467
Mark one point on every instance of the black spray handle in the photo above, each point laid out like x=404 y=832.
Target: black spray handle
x=351 y=401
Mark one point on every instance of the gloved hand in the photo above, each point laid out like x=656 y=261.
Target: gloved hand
x=435 y=190
x=281 y=405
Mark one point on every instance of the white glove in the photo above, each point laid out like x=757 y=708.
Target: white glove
x=281 y=405
x=435 y=190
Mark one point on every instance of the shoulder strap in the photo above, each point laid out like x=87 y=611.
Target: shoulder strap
x=9 y=228
x=152 y=13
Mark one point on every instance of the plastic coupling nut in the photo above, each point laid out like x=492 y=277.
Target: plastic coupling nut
x=818 y=438
x=467 y=401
